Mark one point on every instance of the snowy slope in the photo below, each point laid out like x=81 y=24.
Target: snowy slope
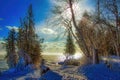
x=12 y=74
x=101 y=71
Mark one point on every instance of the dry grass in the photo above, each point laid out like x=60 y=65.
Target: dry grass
x=73 y=62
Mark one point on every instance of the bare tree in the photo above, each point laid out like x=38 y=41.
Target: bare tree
x=112 y=6
x=71 y=24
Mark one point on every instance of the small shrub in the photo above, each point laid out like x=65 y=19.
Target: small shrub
x=72 y=62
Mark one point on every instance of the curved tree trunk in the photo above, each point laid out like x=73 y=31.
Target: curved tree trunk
x=86 y=52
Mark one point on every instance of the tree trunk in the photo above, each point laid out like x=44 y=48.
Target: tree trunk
x=117 y=49
x=95 y=56
x=78 y=30
x=117 y=28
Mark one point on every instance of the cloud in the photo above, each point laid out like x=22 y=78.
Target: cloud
x=1 y=19
x=2 y=41
x=43 y=29
x=2 y=46
x=48 y=31
x=58 y=46
x=44 y=32
x=12 y=27
x=79 y=8
x=0 y=28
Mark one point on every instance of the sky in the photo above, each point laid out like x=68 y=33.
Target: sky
x=12 y=10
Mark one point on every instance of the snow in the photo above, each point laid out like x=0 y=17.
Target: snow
x=86 y=72
x=25 y=75
x=101 y=71
x=114 y=61
x=50 y=75
x=14 y=73
x=29 y=73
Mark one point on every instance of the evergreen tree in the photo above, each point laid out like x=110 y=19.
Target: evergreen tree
x=70 y=47
x=36 y=55
x=28 y=40
x=20 y=36
x=12 y=56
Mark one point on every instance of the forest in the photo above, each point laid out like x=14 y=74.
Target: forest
x=96 y=34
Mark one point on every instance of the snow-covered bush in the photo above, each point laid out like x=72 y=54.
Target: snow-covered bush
x=21 y=64
x=23 y=61
x=73 y=62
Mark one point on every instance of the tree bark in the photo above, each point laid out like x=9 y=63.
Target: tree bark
x=95 y=56
x=78 y=30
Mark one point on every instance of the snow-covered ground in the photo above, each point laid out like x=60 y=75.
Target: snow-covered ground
x=101 y=71
x=50 y=75
x=32 y=74
x=15 y=74
x=59 y=72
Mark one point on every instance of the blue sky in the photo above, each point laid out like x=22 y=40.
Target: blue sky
x=12 y=10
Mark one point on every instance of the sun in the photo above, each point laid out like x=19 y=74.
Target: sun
x=77 y=56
